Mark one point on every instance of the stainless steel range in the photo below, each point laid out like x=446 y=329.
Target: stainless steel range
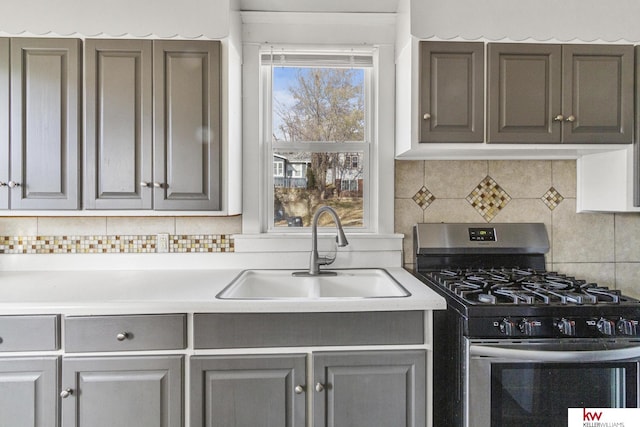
x=519 y=345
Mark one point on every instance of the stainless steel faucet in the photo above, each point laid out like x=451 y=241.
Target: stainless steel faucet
x=315 y=260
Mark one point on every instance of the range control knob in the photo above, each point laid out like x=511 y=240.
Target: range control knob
x=627 y=327
x=507 y=327
x=567 y=327
x=606 y=326
x=530 y=327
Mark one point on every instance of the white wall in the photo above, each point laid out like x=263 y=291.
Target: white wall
x=161 y=18
x=563 y=20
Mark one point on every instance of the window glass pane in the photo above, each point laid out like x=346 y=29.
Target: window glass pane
x=318 y=104
x=312 y=180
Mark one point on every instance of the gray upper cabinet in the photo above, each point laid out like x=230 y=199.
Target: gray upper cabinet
x=45 y=101
x=252 y=390
x=122 y=391
x=597 y=93
x=118 y=128
x=152 y=135
x=364 y=389
x=186 y=163
x=546 y=93
x=451 y=92
x=4 y=123
x=524 y=92
x=28 y=391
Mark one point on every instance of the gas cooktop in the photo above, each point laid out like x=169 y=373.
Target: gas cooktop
x=515 y=286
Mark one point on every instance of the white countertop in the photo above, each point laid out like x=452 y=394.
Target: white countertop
x=94 y=292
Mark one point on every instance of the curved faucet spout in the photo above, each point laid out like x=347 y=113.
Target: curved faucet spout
x=315 y=261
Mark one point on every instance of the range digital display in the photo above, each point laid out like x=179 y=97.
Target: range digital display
x=482 y=234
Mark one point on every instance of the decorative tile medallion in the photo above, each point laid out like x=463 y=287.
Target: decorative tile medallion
x=552 y=198
x=488 y=198
x=424 y=197
x=112 y=244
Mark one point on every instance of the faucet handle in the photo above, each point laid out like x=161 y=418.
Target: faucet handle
x=326 y=260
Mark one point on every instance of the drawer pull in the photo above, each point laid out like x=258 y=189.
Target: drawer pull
x=123 y=336
x=66 y=393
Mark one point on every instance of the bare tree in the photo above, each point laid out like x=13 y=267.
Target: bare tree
x=328 y=107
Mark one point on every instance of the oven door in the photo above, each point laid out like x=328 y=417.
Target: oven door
x=533 y=383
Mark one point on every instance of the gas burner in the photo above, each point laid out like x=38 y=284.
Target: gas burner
x=522 y=287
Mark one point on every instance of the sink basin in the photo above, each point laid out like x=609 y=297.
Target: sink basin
x=281 y=284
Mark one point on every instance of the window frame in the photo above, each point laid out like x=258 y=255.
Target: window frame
x=366 y=146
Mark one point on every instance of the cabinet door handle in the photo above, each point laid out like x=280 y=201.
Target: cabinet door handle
x=157 y=184
x=571 y=118
x=3 y=184
x=66 y=393
x=299 y=389
x=426 y=116
x=13 y=184
x=122 y=336
x=558 y=118
x=145 y=184
x=319 y=387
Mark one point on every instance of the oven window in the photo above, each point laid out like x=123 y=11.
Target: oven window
x=538 y=394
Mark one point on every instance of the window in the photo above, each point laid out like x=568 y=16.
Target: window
x=278 y=167
x=317 y=115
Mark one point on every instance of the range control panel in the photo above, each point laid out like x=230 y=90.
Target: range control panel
x=554 y=327
x=482 y=234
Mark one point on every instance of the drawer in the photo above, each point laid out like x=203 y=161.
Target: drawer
x=123 y=333
x=28 y=333
x=241 y=330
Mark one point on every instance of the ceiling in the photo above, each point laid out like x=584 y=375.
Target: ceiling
x=344 y=6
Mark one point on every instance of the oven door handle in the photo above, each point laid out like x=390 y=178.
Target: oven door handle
x=556 y=356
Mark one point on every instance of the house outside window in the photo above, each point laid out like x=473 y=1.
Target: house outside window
x=318 y=113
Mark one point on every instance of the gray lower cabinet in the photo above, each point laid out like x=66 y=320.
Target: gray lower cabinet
x=372 y=388
x=451 y=92
x=152 y=124
x=241 y=391
x=28 y=391
x=349 y=389
x=143 y=391
x=45 y=123
x=547 y=93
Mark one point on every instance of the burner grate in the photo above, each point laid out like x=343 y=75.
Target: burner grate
x=522 y=287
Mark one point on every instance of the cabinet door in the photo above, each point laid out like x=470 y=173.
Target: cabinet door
x=28 y=392
x=524 y=92
x=118 y=127
x=122 y=391
x=187 y=125
x=364 y=389
x=597 y=93
x=240 y=391
x=45 y=94
x=451 y=92
x=4 y=123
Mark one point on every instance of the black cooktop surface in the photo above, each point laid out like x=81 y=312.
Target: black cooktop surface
x=527 y=287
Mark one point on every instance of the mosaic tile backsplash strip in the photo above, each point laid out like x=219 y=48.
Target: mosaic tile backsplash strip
x=113 y=244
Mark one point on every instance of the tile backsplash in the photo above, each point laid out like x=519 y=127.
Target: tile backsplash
x=599 y=247
x=62 y=235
